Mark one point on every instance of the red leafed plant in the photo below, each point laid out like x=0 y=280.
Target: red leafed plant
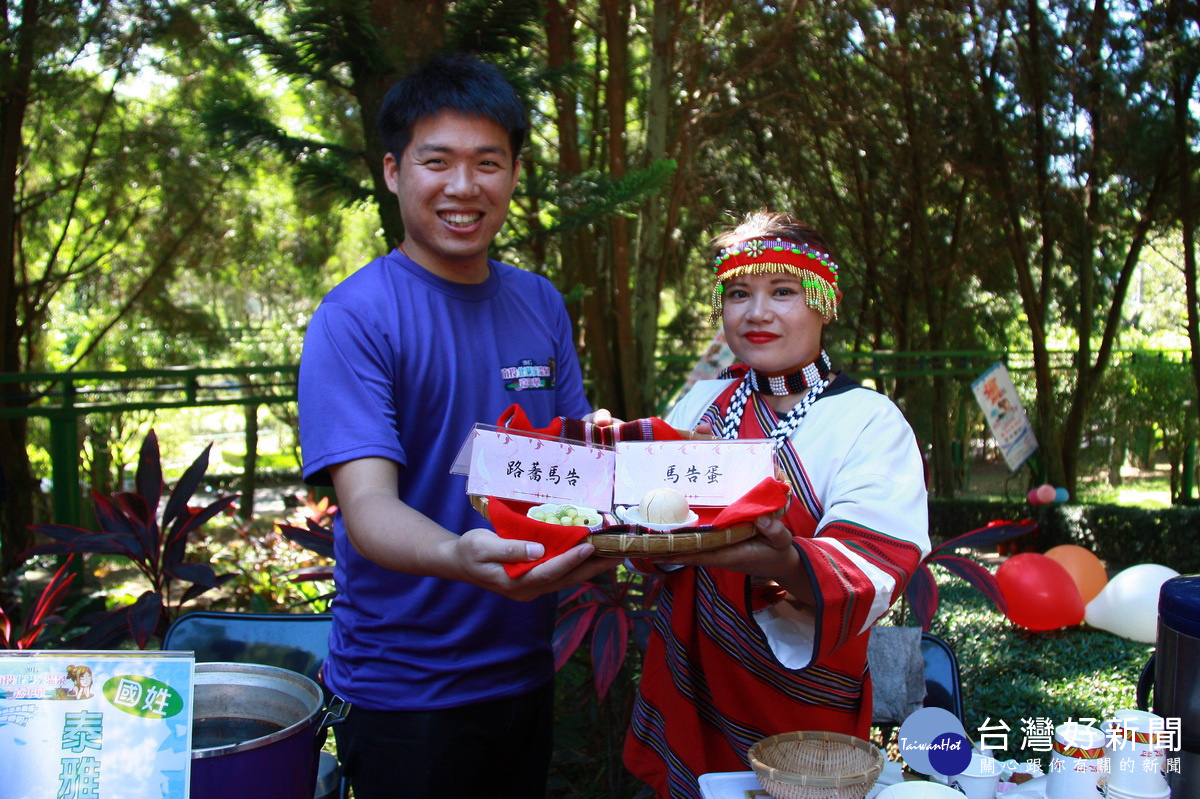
x=319 y=509
x=41 y=615
x=314 y=537
x=606 y=612
x=130 y=528
x=922 y=590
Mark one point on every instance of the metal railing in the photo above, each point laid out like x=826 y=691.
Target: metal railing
x=62 y=398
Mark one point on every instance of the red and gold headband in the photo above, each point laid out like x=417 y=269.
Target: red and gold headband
x=817 y=271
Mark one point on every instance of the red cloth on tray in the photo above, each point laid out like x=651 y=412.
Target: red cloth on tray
x=767 y=497
x=509 y=519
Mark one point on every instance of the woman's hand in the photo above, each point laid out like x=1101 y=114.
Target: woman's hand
x=601 y=417
x=768 y=554
x=771 y=527
x=703 y=432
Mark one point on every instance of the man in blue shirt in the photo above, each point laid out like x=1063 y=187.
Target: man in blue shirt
x=446 y=660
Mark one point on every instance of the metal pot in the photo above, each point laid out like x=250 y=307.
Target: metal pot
x=256 y=732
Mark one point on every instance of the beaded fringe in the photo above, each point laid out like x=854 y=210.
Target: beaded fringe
x=818 y=293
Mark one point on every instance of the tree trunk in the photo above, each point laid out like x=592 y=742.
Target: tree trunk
x=1183 y=80
x=654 y=231
x=1036 y=300
x=920 y=183
x=616 y=99
x=17 y=63
x=409 y=33
x=20 y=488
x=577 y=244
x=250 y=464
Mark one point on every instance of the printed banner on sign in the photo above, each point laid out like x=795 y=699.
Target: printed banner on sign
x=997 y=396
x=105 y=725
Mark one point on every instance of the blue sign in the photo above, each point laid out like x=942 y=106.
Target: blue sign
x=95 y=725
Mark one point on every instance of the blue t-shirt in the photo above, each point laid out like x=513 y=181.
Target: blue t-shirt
x=400 y=364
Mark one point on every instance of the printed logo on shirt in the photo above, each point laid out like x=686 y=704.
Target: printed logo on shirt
x=527 y=375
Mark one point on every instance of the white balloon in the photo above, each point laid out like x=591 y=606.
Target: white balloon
x=1128 y=604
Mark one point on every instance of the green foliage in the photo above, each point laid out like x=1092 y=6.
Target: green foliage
x=1145 y=492
x=497 y=27
x=587 y=197
x=277 y=462
x=321 y=168
x=590 y=732
x=1153 y=402
x=263 y=561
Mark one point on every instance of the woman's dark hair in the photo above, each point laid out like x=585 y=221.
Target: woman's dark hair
x=766 y=224
x=460 y=83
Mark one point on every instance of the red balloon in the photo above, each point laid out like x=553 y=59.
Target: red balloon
x=1039 y=592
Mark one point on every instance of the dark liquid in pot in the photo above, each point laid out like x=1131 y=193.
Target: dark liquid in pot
x=223 y=731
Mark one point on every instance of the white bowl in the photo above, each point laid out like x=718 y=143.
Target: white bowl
x=580 y=507
x=632 y=515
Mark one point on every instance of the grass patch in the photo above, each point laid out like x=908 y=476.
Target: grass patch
x=1029 y=681
x=1151 y=492
x=266 y=461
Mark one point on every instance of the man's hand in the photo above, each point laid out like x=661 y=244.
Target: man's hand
x=398 y=537
x=482 y=555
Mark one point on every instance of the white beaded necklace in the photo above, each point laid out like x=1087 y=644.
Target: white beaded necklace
x=785 y=427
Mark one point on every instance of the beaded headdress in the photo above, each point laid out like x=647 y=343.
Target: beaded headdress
x=817 y=271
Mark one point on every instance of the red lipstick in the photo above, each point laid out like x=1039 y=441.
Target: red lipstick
x=760 y=337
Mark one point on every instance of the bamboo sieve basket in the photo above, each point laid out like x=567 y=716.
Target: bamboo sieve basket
x=816 y=765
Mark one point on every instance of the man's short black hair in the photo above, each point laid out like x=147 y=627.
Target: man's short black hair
x=459 y=82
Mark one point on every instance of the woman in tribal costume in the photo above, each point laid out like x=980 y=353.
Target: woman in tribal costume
x=770 y=635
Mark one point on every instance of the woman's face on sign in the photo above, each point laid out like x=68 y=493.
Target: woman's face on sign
x=769 y=324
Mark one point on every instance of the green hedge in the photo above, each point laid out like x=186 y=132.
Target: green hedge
x=1120 y=536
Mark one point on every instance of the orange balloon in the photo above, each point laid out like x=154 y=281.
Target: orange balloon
x=1085 y=569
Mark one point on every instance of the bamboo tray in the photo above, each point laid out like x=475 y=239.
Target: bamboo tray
x=621 y=543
